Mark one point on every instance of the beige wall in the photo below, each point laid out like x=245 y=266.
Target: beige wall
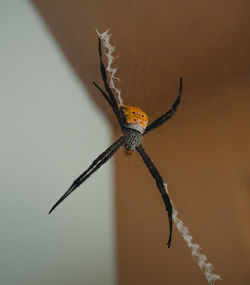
x=45 y=145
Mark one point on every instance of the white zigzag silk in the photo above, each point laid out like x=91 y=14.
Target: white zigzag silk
x=200 y=258
x=105 y=37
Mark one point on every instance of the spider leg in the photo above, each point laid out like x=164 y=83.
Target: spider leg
x=112 y=99
x=103 y=93
x=107 y=98
x=97 y=163
x=162 y=119
x=160 y=184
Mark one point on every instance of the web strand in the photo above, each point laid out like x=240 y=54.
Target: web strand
x=105 y=37
x=200 y=258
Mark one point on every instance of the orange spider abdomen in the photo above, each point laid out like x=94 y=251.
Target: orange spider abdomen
x=134 y=118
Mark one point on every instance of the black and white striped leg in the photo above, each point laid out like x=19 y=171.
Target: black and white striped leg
x=103 y=93
x=160 y=184
x=162 y=119
x=96 y=164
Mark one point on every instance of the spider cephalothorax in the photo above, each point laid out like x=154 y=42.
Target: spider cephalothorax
x=134 y=125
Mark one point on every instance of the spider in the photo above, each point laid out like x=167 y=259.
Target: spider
x=133 y=122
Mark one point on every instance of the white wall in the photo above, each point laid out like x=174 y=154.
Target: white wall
x=45 y=145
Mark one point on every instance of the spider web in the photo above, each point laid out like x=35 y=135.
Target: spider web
x=105 y=37
x=200 y=258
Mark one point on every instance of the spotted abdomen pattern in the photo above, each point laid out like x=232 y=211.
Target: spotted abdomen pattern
x=134 y=118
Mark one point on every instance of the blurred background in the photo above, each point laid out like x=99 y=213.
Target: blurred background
x=50 y=132
x=54 y=123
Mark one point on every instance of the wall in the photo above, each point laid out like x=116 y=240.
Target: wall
x=50 y=132
x=202 y=152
